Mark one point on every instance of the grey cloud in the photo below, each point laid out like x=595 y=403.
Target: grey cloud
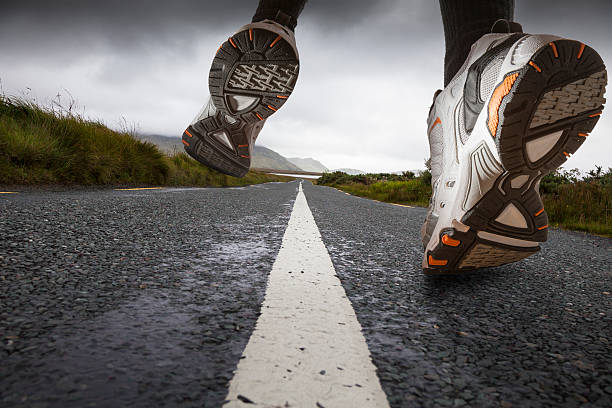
x=376 y=62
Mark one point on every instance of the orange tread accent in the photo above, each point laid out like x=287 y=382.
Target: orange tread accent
x=554 y=48
x=566 y=154
x=498 y=96
x=231 y=40
x=259 y=116
x=437 y=262
x=243 y=156
x=583 y=134
x=219 y=49
x=281 y=97
x=185 y=143
x=595 y=114
x=188 y=134
x=581 y=50
x=533 y=64
x=274 y=109
x=544 y=227
x=446 y=240
x=243 y=145
x=436 y=122
x=539 y=212
x=275 y=41
x=251 y=34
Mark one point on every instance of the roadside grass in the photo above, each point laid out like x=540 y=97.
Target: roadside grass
x=406 y=189
x=584 y=205
x=412 y=192
x=579 y=204
x=44 y=146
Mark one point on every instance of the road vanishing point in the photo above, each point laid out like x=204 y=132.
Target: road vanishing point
x=284 y=295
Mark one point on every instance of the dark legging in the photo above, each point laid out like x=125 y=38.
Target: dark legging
x=465 y=21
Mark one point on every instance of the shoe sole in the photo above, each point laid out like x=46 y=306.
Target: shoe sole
x=539 y=116
x=251 y=77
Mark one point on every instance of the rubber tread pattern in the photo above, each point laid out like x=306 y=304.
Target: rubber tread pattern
x=208 y=150
x=519 y=107
x=515 y=115
x=580 y=96
x=483 y=256
x=265 y=67
x=264 y=77
x=257 y=63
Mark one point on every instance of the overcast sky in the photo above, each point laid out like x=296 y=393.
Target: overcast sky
x=368 y=68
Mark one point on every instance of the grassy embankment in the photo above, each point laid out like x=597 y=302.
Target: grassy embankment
x=572 y=202
x=43 y=146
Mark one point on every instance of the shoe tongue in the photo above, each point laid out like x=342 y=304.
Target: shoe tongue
x=503 y=26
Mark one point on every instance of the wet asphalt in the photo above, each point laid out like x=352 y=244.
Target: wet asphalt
x=147 y=298
x=132 y=298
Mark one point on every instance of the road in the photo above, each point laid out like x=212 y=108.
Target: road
x=151 y=298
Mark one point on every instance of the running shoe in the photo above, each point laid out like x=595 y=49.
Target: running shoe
x=252 y=75
x=520 y=106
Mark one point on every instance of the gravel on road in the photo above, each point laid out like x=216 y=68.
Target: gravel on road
x=132 y=298
x=148 y=298
x=532 y=334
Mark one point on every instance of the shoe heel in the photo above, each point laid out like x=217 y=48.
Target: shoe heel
x=546 y=113
x=539 y=116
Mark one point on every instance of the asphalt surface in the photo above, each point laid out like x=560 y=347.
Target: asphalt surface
x=148 y=298
x=132 y=298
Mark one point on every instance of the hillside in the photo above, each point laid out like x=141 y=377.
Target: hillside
x=264 y=158
x=308 y=164
x=167 y=144
x=42 y=146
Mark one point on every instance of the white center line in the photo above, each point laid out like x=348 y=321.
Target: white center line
x=307 y=347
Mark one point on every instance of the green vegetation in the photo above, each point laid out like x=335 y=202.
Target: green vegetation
x=581 y=204
x=406 y=188
x=50 y=146
x=571 y=201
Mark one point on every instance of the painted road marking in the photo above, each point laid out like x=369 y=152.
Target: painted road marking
x=307 y=346
x=402 y=205
x=138 y=189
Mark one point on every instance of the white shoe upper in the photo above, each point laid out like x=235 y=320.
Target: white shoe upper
x=452 y=146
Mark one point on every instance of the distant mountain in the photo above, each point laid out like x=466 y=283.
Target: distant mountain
x=265 y=158
x=308 y=164
x=167 y=144
x=262 y=156
x=352 y=172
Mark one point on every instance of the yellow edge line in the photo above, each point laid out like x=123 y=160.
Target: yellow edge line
x=401 y=205
x=8 y=192
x=138 y=189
